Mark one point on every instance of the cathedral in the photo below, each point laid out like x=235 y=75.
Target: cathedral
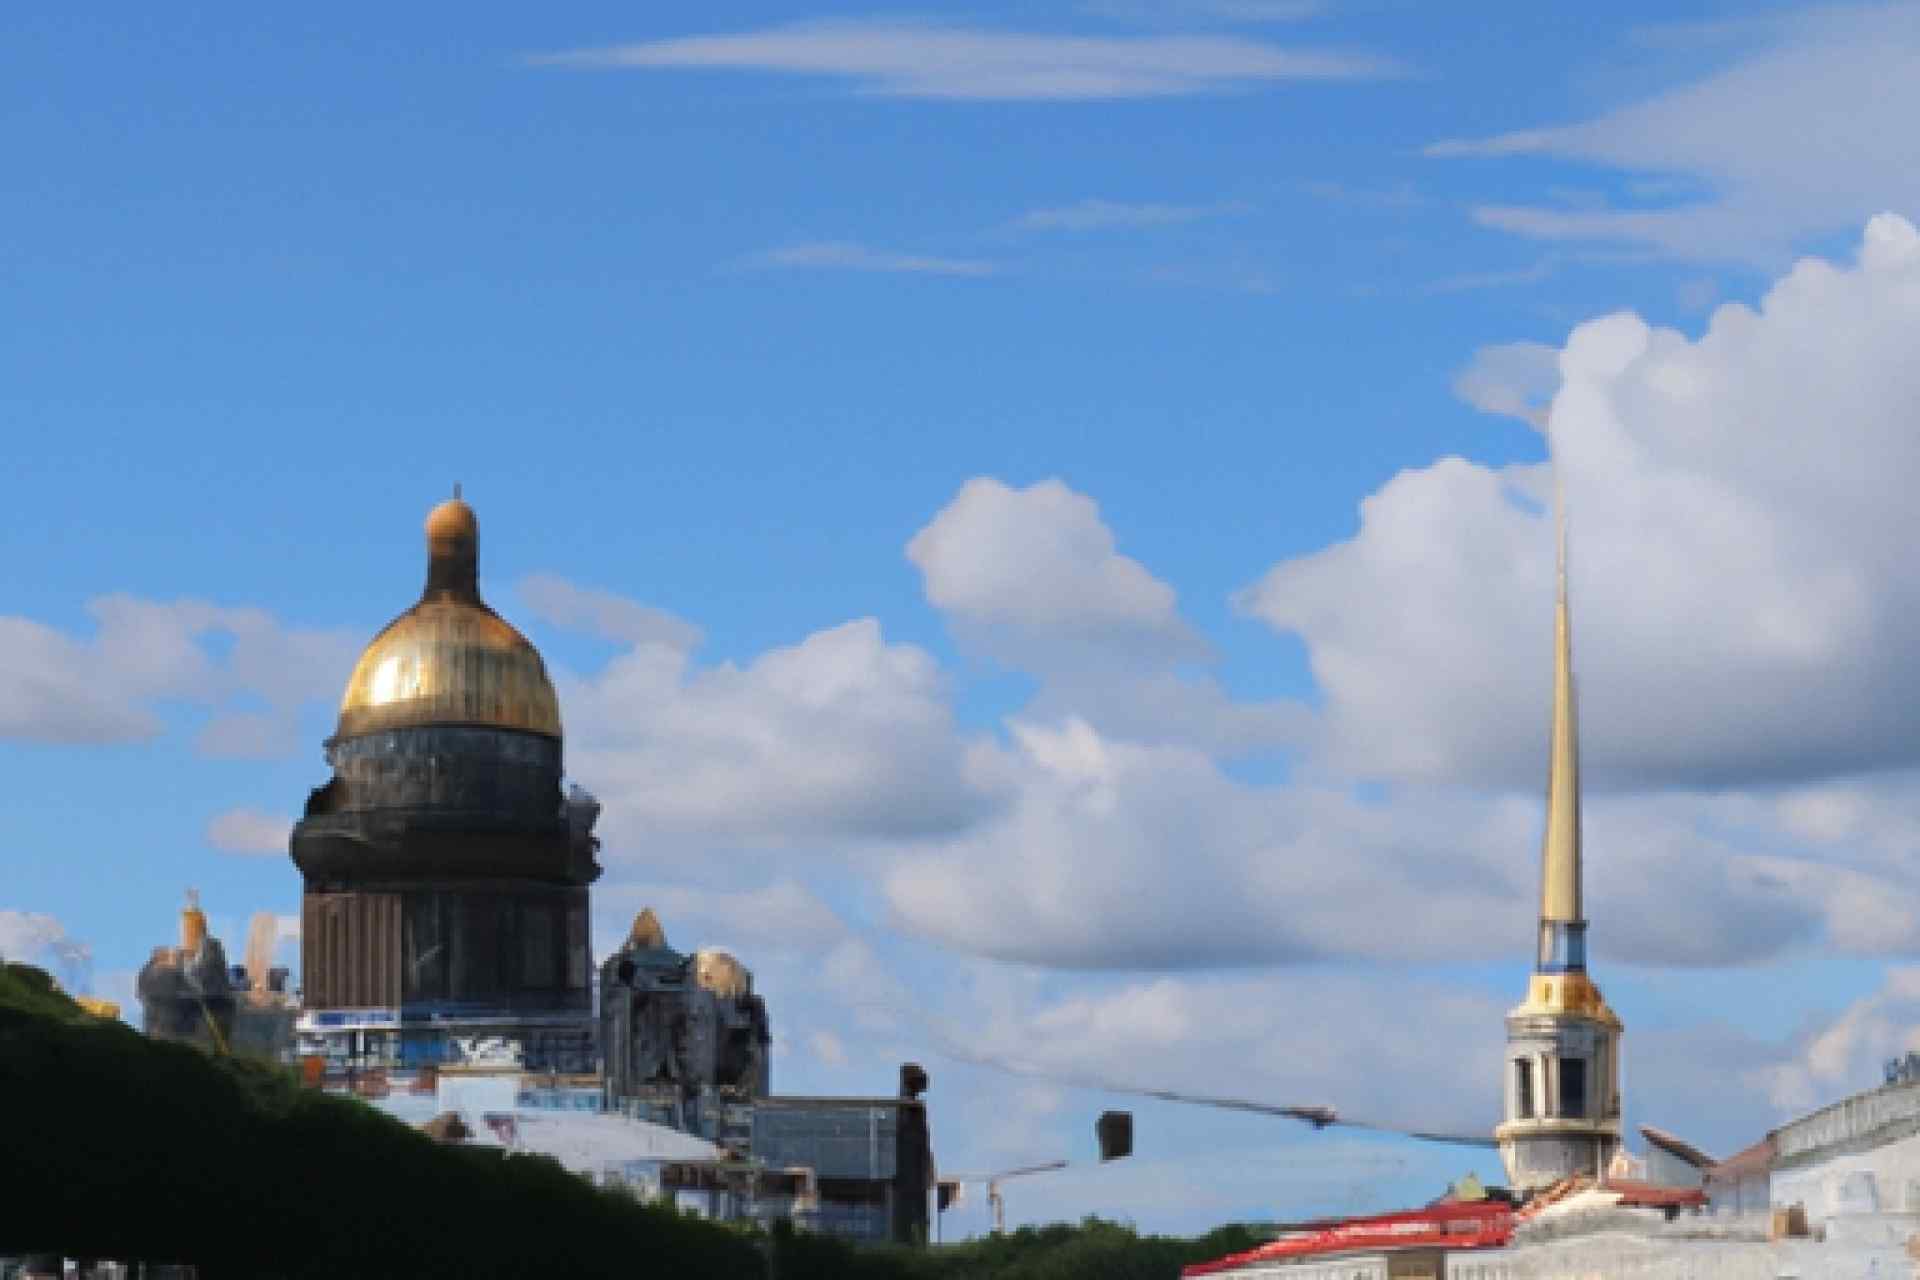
x=445 y=870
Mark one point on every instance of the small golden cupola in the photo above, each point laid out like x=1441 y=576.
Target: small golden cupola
x=450 y=660
x=1562 y=1076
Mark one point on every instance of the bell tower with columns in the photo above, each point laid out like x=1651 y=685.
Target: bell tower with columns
x=1562 y=1066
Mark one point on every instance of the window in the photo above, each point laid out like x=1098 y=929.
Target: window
x=1573 y=1088
x=1523 y=1088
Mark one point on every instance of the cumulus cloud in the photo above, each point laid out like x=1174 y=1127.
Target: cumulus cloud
x=249 y=832
x=1773 y=145
x=780 y=914
x=845 y=255
x=104 y=687
x=1116 y=855
x=1241 y=1037
x=1844 y=1054
x=843 y=736
x=47 y=693
x=892 y=58
x=1025 y=573
x=554 y=600
x=1743 y=604
x=1033 y=578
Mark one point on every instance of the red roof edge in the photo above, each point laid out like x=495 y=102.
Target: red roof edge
x=1472 y=1224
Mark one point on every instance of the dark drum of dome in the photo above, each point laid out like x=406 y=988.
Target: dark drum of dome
x=500 y=773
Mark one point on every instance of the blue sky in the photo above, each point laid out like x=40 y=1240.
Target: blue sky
x=980 y=479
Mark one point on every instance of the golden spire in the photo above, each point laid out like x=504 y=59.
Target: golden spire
x=1560 y=848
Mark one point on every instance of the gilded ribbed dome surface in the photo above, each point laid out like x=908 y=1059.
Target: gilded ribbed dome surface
x=450 y=660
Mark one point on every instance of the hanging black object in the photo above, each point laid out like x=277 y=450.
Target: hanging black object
x=1114 y=1129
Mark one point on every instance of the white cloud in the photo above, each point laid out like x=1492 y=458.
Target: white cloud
x=26 y=932
x=1022 y=572
x=1111 y=854
x=1515 y=379
x=892 y=58
x=781 y=914
x=249 y=832
x=1743 y=604
x=104 y=687
x=1845 y=1053
x=48 y=692
x=246 y=735
x=32 y=937
x=842 y=737
x=556 y=601
x=845 y=255
x=1266 y=1038
x=1781 y=145
x=1032 y=578
x=1092 y=215
x=1164 y=707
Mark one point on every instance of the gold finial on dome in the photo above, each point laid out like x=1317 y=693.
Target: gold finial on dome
x=453 y=549
x=450 y=660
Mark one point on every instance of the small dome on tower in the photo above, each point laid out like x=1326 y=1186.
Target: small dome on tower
x=450 y=660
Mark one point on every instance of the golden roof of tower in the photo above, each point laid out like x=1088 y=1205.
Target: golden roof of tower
x=450 y=659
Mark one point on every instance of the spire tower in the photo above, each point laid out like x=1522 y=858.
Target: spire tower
x=1563 y=929
x=1562 y=1074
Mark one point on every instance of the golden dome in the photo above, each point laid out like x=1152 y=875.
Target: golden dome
x=450 y=659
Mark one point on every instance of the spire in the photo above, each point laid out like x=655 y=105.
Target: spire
x=1562 y=926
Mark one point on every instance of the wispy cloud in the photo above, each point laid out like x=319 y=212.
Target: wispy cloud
x=1469 y=280
x=1257 y=10
x=894 y=58
x=1093 y=215
x=1399 y=195
x=845 y=255
x=249 y=832
x=1789 y=141
x=1513 y=379
x=612 y=617
x=1231 y=277
x=1251 y=11
x=1542 y=268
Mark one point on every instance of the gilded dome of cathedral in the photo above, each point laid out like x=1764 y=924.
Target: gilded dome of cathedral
x=450 y=660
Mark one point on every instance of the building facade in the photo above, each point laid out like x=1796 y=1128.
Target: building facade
x=685 y=1041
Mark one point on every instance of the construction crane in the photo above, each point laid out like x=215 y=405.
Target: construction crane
x=995 y=1201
